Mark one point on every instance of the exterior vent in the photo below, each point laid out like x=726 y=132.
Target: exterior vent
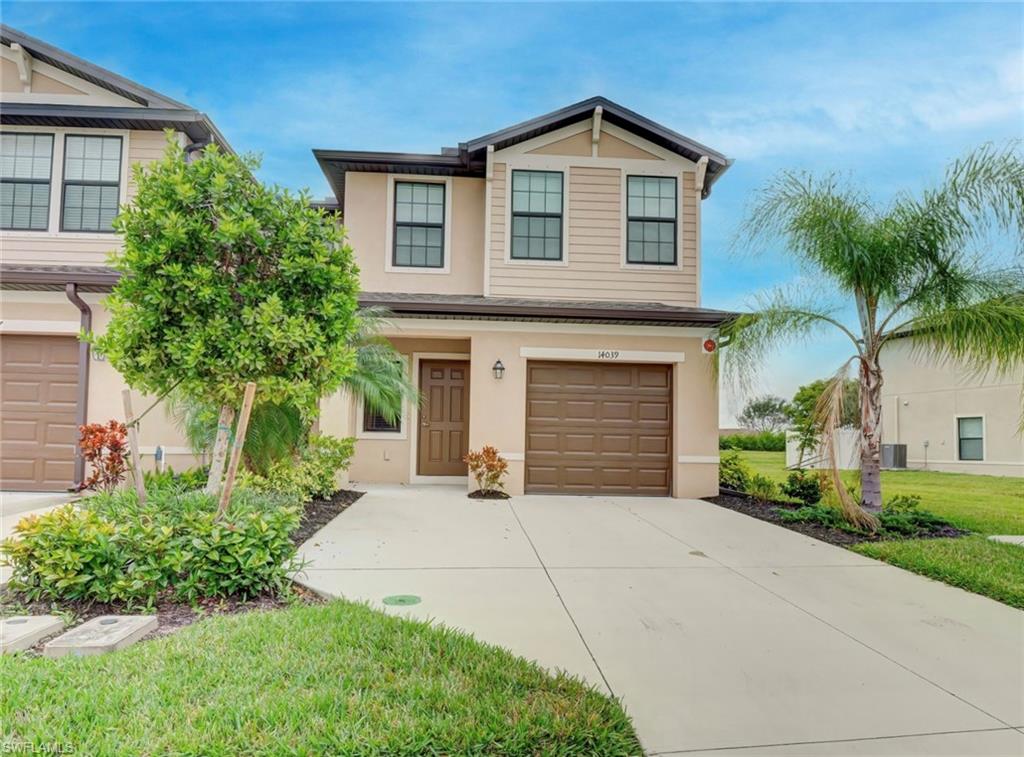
x=894 y=456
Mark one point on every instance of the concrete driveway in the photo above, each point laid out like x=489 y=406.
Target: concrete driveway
x=718 y=631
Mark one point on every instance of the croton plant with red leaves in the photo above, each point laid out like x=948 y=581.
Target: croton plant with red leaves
x=104 y=447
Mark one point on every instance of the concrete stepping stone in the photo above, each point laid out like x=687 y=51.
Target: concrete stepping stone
x=24 y=631
x=100 y=635
x=1018 y=540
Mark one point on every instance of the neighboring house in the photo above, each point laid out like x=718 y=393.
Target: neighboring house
x=545 y=283
x=70 y=132
x=951 y=418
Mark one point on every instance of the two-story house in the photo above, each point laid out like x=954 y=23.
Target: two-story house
x=69 y=133
x=545 y=286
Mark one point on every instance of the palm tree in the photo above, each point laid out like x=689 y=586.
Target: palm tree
x=379 y=380
x=911 y=270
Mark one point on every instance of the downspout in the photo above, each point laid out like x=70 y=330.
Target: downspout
x=82 y=404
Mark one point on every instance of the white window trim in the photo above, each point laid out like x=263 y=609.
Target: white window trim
x=57 y=181
x=403 y=428
x=389 y=233
x=624 y=263
x=557 y=166
x=414 y=477
x=984 y=435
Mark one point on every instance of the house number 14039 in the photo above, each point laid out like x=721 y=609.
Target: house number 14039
x=607 y=354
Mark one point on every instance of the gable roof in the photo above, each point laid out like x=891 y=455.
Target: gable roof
x=470 y=158
x=155 y=111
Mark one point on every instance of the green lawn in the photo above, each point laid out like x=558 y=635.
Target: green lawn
x=983 y=504
x=326 y=679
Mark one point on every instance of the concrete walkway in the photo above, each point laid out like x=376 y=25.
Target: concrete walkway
x=718 y=631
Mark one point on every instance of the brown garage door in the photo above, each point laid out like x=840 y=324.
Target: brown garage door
x=596 y=428
x=38 y=390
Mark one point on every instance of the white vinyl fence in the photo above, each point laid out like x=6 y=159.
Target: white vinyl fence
x=847 y=443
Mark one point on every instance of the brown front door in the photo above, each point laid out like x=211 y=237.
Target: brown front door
x=444 y=417
x=598 y=428
x=38 y=401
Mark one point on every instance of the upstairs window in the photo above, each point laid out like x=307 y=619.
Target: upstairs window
x=419 y=225
x=536 y=215
x=971 y=438
x=25 y=164
x=651 y=220
x=92 y=182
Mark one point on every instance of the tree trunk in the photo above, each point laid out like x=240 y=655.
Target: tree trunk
x=220 y=449
x=871 y=434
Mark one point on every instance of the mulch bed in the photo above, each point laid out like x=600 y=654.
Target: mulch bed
x=489 y=494
x=768 y=511
x=320 y=512
x=173 y=615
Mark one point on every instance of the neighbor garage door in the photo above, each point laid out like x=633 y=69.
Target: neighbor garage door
x=38 y=390
x=595 y=428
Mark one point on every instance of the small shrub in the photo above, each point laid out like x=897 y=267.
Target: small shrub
x=488 y=468
x=820 y=514
x=902 y=503
x=312 y=475
x=188 y=480
x=765 y=441
x=104 y=448
x=733 y=473
x=115 y=550
x=803 y=486
x=892 y=524
x=762 y=488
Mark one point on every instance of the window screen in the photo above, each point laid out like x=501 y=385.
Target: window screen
x=536 y=215
x=419 y=225
x=374 y=421
x=651 y=220
x=25 y=163
x=971 y=438
x=92 y=182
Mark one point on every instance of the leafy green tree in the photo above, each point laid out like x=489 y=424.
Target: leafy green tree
x=766 y=413
x=803 y=416
x=226 y=281
x=911 y=269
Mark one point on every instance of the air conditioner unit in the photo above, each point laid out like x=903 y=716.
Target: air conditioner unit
x=894 y=455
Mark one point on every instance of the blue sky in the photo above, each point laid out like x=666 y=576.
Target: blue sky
x=887 y=92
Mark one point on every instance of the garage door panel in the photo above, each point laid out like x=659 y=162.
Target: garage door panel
x=38 y=402
x=596 y=427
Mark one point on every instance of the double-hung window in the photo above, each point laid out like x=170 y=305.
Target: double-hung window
x=970 y=438
x=651 y=220
x=92 y=182
x=419 y=225
x=25 y=165
x=536 y=215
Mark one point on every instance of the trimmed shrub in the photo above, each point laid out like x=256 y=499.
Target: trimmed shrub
x=189 y=479
x=765 y=441
x=733 y=473
x=115 y=550
x=803 y=486
x=312 y=475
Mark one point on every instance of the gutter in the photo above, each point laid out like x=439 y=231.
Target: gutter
x=82 y=403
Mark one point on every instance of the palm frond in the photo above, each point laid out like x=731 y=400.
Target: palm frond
x=274 y=433
x=380 y=380
x=829 y=419
x=775 y=319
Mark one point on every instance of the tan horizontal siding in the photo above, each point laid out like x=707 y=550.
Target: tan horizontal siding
x=594 y=233
x=60 y=248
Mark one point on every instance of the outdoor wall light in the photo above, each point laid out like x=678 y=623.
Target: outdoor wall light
x=498 y=368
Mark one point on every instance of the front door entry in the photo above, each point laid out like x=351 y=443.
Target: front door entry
x=444 y=418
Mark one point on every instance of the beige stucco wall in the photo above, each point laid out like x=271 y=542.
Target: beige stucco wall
x=366 y=219
x=498 y=407
x=52 y=313
x=67 y=248
x=922 y=400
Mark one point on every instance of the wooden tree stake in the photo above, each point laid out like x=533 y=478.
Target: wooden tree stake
x=133 y=443
x=220 y=449
x=236 y=450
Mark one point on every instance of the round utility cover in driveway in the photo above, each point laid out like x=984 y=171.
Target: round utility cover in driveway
x=401 y=600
